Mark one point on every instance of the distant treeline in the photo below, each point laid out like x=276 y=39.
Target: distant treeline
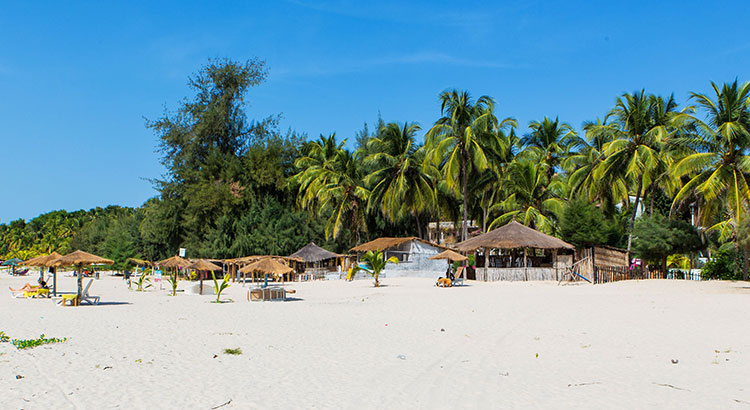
x=237 y=186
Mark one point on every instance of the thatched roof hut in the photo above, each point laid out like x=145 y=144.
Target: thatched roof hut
x=512 y=236
x=173 y=262
x=43 y=260
x=204 y=265
x=267 y=266
x=81 y=258
x=312 y=253
x=382 y=244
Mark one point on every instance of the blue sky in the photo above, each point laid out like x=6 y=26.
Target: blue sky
x=77 y=79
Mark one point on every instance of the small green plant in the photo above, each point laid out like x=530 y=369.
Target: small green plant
x=4 y=338
x=173 y=282
x=143 y=280
x=26 y=344
x=376 y=262
x=192 y=276
x=220 y=287
x=235 y=351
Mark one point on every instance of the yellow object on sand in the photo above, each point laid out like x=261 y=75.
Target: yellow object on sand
x=69 y=298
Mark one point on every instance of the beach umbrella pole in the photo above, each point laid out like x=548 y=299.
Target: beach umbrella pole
x=80 y=284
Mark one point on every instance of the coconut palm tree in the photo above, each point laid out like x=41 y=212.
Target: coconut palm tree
x=401 y=183
x=318 y=157
x=548 y=142
x=343 y=195
x=719 y=169
x=375 y=263
x=532 y=199
x=458 y=140
x=640 y=125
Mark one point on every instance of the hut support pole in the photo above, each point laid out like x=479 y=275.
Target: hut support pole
x=554 y=263
x=80 y=284
x=486 y=263
x=54 y=281
x=525 y=264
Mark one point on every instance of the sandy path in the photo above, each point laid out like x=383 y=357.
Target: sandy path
x=406 y=345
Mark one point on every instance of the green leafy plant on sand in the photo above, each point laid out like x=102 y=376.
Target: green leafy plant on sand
x=235 y=351
x=219 y=287
x=173 y=282
x=4 y=338
x=143 y=280
x=26 y=344
x=375 y=262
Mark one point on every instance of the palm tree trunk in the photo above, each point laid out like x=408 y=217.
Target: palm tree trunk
x=464 y=228
x=419 y=227
x=746 y=253
x=632 y=217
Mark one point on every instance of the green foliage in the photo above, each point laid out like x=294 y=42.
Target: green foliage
x=143 y=279
x=583 y=224
x=30 y=343
x=722 y=266
x=173 y=279
x=219 y=287
x=4 y=338
x=376 y=262
x=234 y=351
x=655 y=238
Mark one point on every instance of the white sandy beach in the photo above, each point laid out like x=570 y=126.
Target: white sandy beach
x=407 y=345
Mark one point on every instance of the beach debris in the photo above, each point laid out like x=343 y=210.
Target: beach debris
x=582 y=384
x=19 y=377
x=670 y=386
x=234 y=351
x=107 y=367
x=506 y=374
x=537 y=355
x=221 y=405
x=675 y=361
x=215 y=356
x=401 y=356
x=442 y=330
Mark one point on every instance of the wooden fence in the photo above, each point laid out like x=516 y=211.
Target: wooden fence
x=606 y=274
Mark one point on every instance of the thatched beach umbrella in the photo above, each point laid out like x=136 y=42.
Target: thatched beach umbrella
x=78 y=259
x=203 y=265
x=449 y=255
x=174 y=262
x=12 y=262
x=45 y=261
x=267 y=266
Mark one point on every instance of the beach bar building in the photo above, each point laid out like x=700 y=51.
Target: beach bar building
x=517 y=252
x=413 y=256
x=317 y=262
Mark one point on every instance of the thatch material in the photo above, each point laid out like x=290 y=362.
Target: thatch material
x=267 y=266
x=140 y=262
x=254 y=258
x=450 y=255
x=43 y=260
x=204 y=265
x=313 y=253
x=512 y=236
x=81 y=258
x=382 y=244
x=173 y=262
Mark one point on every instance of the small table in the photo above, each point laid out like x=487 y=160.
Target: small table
x=73 y=299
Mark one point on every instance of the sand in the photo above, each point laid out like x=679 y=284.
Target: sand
x=407 y=345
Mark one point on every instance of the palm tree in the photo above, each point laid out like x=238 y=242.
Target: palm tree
x=640 y=125
x=318 y=156
x=456 y=140
x=532 y=199
x=548 y=142
x=375 y=262
x=401 y=183
x=719 y=170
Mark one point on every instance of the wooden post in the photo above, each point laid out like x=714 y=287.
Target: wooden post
x=80 y=284
x=525 y=269
x=486 y=263
x=554 y=263
x=54 y=281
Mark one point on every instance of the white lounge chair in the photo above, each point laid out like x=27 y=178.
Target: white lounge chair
x=91 y=300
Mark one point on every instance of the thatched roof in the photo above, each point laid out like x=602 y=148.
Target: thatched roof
x=42 y=260
x=512 y=236
x=267 y=266
x=81 y=258
x=202 y=264
x=313 y=253
x=382 y=244
x=450 y=255
x=254 y=258
x=140 y=262
x=174 y=262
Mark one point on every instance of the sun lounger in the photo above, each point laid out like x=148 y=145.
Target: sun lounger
x=37 y=293
x=458 y=279
x=85 y=298
x=20 y=293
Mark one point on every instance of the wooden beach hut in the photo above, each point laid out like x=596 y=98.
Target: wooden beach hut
x=517 y=252
x=413 y=256
x=316 y=261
